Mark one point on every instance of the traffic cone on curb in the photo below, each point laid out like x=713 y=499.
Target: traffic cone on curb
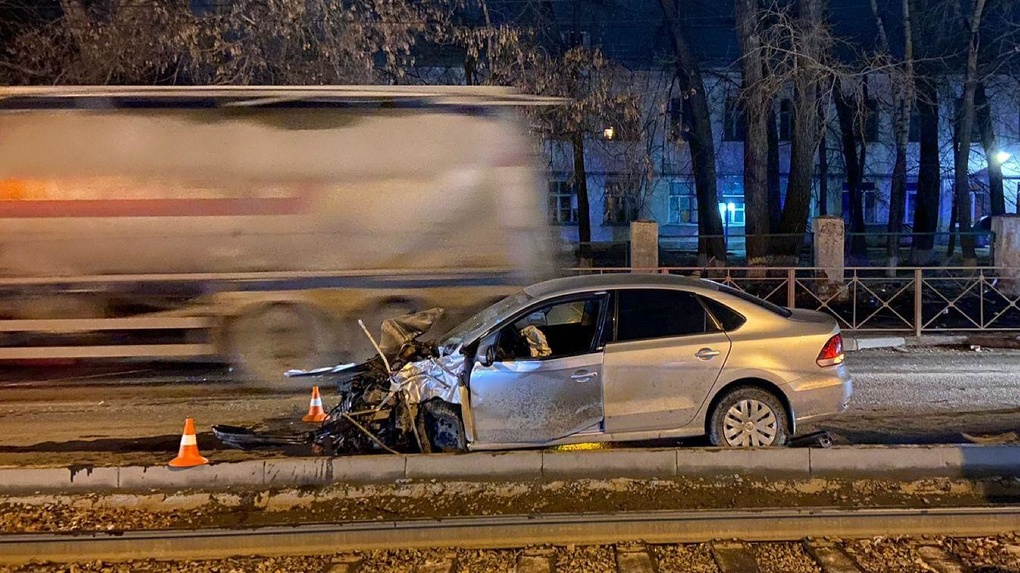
x=188 y=455
x=315 y=411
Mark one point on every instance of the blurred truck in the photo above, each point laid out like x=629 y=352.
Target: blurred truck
x=257 y=225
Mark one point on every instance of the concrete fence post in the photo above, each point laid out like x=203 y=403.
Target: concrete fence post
x=644 y=245
x=828 y=250
x=1006 y=253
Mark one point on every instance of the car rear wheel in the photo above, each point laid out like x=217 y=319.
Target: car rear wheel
x=748 y=417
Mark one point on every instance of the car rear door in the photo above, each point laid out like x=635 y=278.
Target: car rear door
x=666 y=354
x=527 y=397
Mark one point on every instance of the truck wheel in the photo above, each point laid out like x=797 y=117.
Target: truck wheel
x=354 y=346
x=440 y=428
x=267 y=342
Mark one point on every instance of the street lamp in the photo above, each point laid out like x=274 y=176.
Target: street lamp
x=1002 y=157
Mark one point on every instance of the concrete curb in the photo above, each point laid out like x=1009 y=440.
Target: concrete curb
x=850 y=461
x=853 y=343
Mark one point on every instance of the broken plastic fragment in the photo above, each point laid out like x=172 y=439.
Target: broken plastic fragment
x=319 y=371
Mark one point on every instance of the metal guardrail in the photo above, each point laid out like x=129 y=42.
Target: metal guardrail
x=918 y=300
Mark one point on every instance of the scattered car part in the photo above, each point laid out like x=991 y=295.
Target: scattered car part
x=821 y=439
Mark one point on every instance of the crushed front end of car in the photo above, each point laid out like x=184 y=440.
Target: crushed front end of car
x=398 y=401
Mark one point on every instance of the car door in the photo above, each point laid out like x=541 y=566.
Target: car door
x=546 y=380
x=666 y=354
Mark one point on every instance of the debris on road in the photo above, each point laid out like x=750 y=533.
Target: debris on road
x=1004 y=438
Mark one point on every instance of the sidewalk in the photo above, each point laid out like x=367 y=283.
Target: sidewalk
x=853 y=342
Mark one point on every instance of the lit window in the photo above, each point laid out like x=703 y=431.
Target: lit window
x=732 y=210
x=683 y=203
x=562 y=203
x=620 y=204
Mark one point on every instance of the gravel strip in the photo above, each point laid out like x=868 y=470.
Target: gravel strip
x=483 y=561
x=784 y=558
x=886 y=555
x=878 y=555
x=988 y=554
x=592 y=559
x=692 y=558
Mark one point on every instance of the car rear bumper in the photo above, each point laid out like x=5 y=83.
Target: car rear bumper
x=818 y=396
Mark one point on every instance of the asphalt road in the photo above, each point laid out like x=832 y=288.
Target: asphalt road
x=135 y=414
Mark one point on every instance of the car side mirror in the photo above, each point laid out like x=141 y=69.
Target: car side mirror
x=489 y=357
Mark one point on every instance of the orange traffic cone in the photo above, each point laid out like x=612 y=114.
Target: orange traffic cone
x=315 y=411
x=188 y=455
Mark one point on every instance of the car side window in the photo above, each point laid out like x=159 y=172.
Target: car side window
x=728 y=318
x=555 y=330
x=659 y=313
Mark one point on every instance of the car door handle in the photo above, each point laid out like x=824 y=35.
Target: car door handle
x=706 y=354
x=584 y=375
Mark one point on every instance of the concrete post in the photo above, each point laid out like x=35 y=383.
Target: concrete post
x=1006 y=253
x=644 y=245
x=828 y=250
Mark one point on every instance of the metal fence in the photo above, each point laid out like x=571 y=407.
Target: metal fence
x=915 y=300
x=870 y=250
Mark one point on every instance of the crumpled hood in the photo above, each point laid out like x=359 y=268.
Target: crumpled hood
x=431 y=378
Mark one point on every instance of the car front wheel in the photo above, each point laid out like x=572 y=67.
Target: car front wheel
x=748 y=417
x=440 y=428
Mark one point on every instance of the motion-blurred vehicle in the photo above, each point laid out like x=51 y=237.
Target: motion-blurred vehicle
x=256 y=225
x=597 y=359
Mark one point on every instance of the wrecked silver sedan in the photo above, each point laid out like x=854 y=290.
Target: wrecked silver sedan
x=593 y=359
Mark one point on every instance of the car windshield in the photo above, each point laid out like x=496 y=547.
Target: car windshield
x=474 y=326
x=756 y=301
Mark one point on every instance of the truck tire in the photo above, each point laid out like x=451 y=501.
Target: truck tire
x=354 y=346
x=440 y=428
x=269 y=340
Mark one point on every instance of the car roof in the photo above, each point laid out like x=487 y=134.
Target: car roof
x=582 y=283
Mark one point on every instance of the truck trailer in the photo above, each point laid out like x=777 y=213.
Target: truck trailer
x=256 y=226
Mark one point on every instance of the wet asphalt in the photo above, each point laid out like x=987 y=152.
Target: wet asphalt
x=134 y=413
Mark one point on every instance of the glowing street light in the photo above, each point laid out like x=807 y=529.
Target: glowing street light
x=723 y=208
x=609 y=132
x=1001 y=157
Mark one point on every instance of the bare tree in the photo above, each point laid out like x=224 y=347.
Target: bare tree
x=964 y=128
x=711 y=244
x=811 y=40
x=851 y=110
x=983 y=116
x=929 y=178
x=902 y=79
x=757 y=103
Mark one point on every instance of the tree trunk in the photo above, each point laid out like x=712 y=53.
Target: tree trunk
x=965 y=126
x=806 y=134
x=775 y=191
x=847 y=110
x=929 y=179
x=756 y=141
x=983 y=112
x=823 y=173
x=583 y=205
x=711 y=244
x=904 y=95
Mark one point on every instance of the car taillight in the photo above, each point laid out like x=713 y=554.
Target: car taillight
x=832 y=352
